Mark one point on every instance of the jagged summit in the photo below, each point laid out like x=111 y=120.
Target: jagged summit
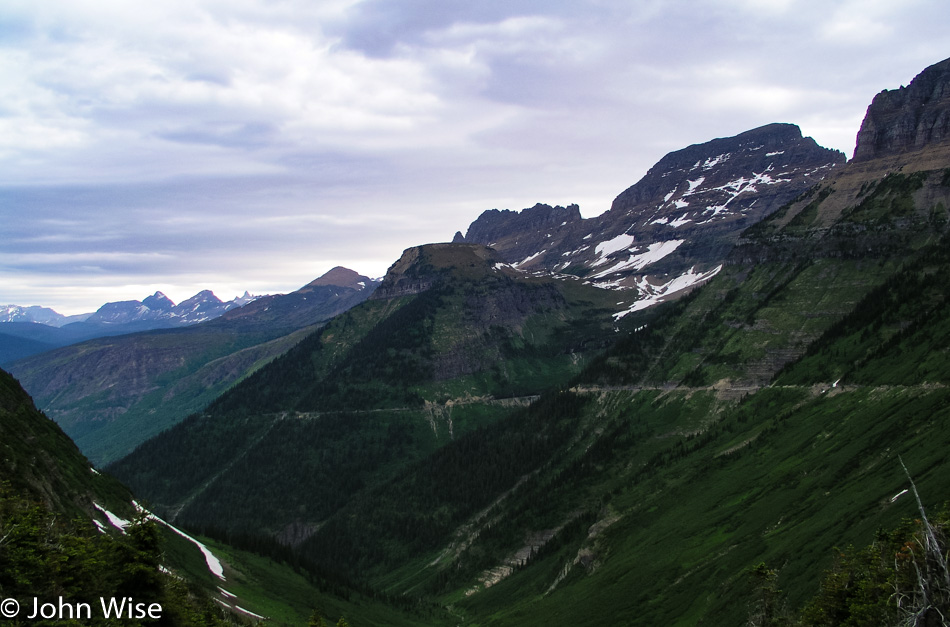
x=158 y=310
x=909 y=118
x=521 y=233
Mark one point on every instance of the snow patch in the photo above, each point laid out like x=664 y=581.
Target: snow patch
x=248 y=612
x=654 y=252
x=529 y=258
x=115 y=521
x=898 y=495
x=680 y=221
x=694 y=184
x=714 y=161
x=653 y=294
x=604 y=249
x=214 y=564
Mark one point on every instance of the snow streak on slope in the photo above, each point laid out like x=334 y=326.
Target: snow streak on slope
x=653 y=294
x=605 y=249
x=214 y=564
x=654 y=252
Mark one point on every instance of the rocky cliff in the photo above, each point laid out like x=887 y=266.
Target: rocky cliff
x=908 y=118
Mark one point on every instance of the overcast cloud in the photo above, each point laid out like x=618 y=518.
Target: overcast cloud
x=254 y=144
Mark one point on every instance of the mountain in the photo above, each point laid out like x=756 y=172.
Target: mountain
x=441 y=441
x=40 y=315
x=73 y=533
x=109 y=394
x=26 y=331
x=63 y=531
x=672 y=229
x=452 y=340
x=908 y=119
x=158 y=310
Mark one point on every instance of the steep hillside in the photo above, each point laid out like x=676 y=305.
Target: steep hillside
x=71 y=533
x=452 y=340
x=757 y=420
x=673 y=228
x=60 y=538
x=110 y=394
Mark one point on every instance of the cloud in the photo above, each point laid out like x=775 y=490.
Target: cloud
x=261 y=142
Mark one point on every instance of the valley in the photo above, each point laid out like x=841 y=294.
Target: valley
x=521 y=428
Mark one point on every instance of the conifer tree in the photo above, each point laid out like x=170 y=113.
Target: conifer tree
x=316 y=620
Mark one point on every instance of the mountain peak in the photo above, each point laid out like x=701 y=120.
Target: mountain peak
x=158 y=302
x=204 y=296
x=909 y=118
x=340 y=277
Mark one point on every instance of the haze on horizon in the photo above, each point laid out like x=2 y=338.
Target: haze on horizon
x=255 y=144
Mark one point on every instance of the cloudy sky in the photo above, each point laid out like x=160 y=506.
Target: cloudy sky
x=254 y=144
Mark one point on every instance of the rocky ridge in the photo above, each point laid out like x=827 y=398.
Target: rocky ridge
x=671 y=230
x=158 y=307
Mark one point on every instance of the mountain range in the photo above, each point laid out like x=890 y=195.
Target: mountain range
x=671 y=414
x=26 y=331
x=110 y=393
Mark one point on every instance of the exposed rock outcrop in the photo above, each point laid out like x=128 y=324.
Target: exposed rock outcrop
x=908 y=118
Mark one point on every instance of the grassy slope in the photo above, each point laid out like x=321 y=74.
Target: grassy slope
x=784 y=475
x=285 y=594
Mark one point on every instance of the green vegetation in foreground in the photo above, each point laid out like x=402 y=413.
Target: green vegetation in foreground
x=50 y=559
x=288 y=594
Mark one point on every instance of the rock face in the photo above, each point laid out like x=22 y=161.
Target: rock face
x=908 y=118
x=520 y=234
x=671 y=229
x=421 y=268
